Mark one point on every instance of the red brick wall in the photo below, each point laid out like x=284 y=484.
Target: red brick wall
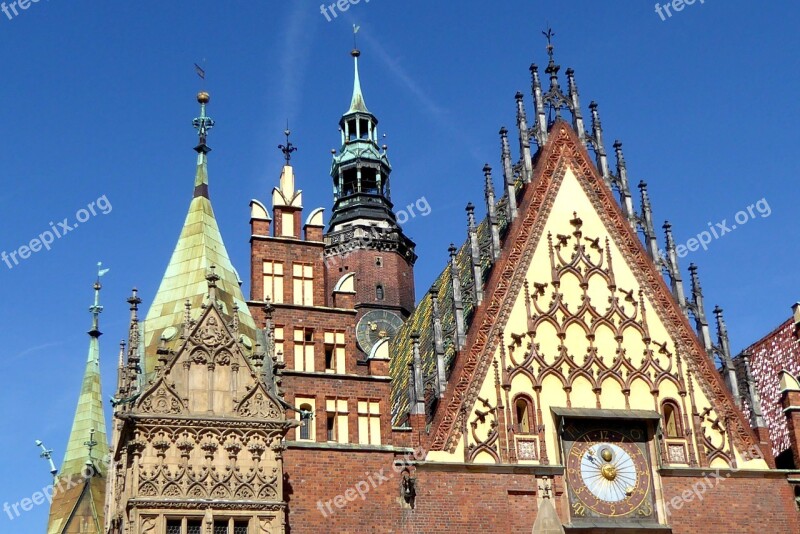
x=731 y=505
x=287 y=251
x=395 y=274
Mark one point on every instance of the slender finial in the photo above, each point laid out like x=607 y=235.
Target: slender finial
x=96 y=309
x=47 y=454
x=91 y=444
x=203 y=124
x=552 y=68
x=355 y=36
x=288 y=148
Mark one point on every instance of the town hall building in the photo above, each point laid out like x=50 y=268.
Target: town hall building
x=556 y=377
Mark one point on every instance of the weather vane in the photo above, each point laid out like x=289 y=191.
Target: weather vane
x=288 y=148
x=549 y=34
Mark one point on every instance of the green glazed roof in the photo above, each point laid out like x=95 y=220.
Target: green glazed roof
x=88 y=415
x=421 y=320
x=199 y=247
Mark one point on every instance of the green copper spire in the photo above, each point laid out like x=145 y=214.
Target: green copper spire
x=90 y=422
x=79 y=507
x=357 y=104
x=199 y=248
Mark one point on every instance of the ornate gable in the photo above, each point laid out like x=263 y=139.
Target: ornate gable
x=209 y=375
x=577 y=316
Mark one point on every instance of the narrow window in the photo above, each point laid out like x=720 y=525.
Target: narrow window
x=220 y=527
x=305 y=421
x=672 y=424
x=523 y=415
x=273 y=281
x=194 y=527
x=174 y=526
x=379 y=292
x=303 y=284
x=329 y=360
x=331 y=426
x=304 y=350
x=240 y=527
x=369 y=423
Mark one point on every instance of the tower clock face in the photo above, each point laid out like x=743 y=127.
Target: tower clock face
x=376 y=325
x=608 y=472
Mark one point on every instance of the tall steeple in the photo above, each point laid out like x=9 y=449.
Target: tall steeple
x=361 y=169
x=364 y=234
x=199 y=248
x=81 y=482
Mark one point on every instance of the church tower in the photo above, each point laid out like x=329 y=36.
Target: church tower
x=80 y=486
x=199 y=421
x=364 y=236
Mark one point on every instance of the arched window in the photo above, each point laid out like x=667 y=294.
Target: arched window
x=672 y=419
x=379 y=292
x=305 y=421
x=523 y=415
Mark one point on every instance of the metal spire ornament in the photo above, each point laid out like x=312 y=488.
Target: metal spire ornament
x=288 y=148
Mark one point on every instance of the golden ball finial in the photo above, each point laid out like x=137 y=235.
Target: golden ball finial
x=203 y=97
x=606 y=454
x=355 y=52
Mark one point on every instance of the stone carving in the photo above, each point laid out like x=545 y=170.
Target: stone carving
x=162 y=401
x=258 y=404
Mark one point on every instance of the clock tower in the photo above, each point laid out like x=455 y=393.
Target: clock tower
x=363 y=235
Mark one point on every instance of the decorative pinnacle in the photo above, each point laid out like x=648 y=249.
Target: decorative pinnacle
x=96 y=309
x=47 y=454
x=552 y=68
x=203 y=123
x=288 y=148
x=91 y=444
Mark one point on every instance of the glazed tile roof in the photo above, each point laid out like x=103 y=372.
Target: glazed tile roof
x=199 y=247
x=421 y=321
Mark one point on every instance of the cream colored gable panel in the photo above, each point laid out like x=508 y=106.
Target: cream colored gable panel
x=644 y=337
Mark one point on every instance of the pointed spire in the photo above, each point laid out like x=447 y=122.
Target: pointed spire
x=647 y=226
x=673 y=269
x=357 y=104
x=417 y=390
x=723 y=350
x=491 y=212
x=199 y=246
x=698 y=310
x=621 y=181
x=508 y=174
x=524 y=139
x=475 y=255
x=577 y=115
x=754 y=397
x=540 y=126
x=458 y=301
x=438 y=344
x=596 y=141
x=88 y=443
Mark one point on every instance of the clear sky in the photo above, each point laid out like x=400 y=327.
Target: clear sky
x=96 y=101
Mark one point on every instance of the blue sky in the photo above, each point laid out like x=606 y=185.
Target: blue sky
x=96 y=99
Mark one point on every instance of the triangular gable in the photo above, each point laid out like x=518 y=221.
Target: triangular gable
x=562 y=152
x=200 y=376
